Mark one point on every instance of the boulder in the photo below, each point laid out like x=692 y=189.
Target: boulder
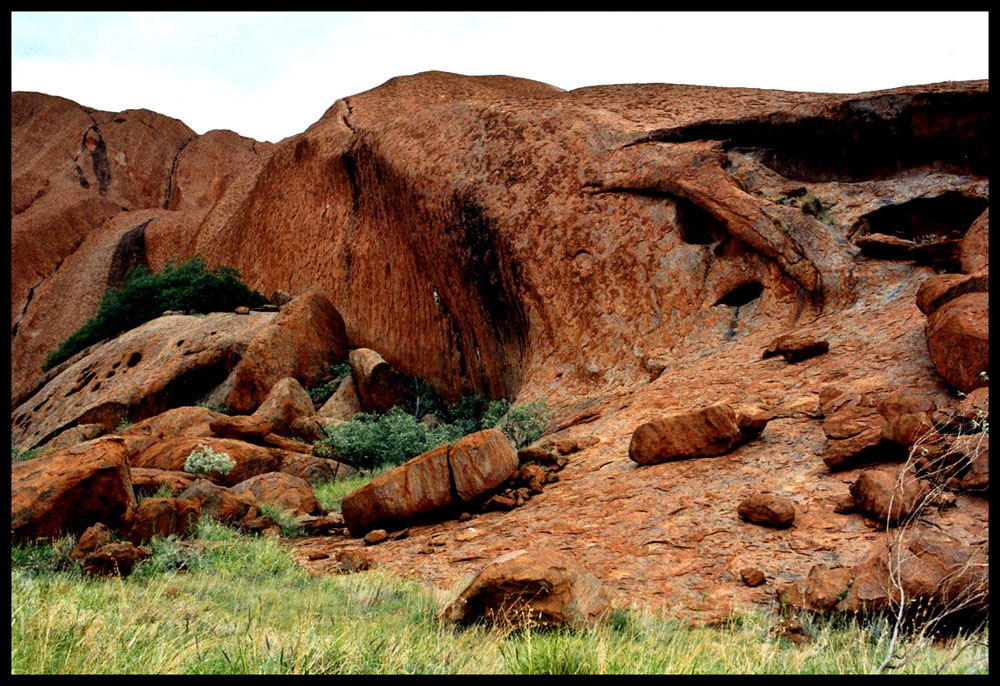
x=417 y=487
x=217 y=502
x=379 y=386
x=251 y=460
x=909 y=429
x=888 y=495
x=536 y=587
x=480 y=462
x=376 y=536
x=936 y=574
x=958 y=338
x=161 y=517
x=905 y=401
x=974 y=248
x=943 y=288
x=795 y=347
x=768 y=509
x=343 y=404
x=146 y=481
x=90 y=540
x=286 y=402
x=117 y=558
x=70 y=489
x=752 y=419
x=166 y=363
x=188 y=421
x=241 y=427
x=74 y=435
x=704 y=432
x=315 y=470
x=752 y=577
x=301 y=341
x=280 y=490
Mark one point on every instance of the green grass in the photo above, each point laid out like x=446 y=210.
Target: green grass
x=330 y=493
x=245 y=607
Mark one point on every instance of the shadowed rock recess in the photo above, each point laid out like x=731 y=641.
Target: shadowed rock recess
x=627 y=253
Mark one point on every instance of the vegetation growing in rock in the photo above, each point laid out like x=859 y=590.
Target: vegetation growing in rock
x=371 y=441
x=145 y=296
x=204 y=460
x=18 y=455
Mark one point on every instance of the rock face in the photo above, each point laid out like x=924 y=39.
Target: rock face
x=706 y=432
x=539 y=586
x=301 y=342
x=624 y=252
x=70 y=489
x=165 y=363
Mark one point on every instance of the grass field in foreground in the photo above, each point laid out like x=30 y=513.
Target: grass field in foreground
x=245 y=606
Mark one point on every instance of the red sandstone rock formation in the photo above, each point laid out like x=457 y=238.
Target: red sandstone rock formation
x=624 y=252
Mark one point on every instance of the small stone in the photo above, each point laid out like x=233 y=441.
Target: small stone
x=466 y=535
x=242 y=309
x=399 y=535
x=352 y=560
x=844 y=505
x=316 y=555
x=752 y=577
x=376 y=536
x=464 y=517
x=768 y=510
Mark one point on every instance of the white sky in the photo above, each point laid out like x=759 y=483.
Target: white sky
x=271 y=75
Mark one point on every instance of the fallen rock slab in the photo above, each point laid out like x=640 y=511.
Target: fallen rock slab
x=705 y=432
x=537 y=587
x=480 y=462
x=71 y=489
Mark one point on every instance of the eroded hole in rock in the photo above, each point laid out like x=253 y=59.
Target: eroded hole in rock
x=742 y=294
x=96 y=386
x=134 y=359
x=180 y=343
x=697 y=226
x=109 y=374
x=924 y=219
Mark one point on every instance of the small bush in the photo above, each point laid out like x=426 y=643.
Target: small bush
x=370 y=441
x=204 y=460
x=524 y=424
x=44 y=557
x=221 y=409
x=18 y=455
x=145 y=296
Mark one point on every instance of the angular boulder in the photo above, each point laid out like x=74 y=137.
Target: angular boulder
x=480 y=462
x=958 y=338
x=943 y=288
x=768 y=509
x=416 y=487
x=888 y=495
x=162 y=517
x=378 y=385
x=540 y=587
x=90 y=540
x=343 y=404
x=704 y=432
x=70 y=489
x=218 y=502
x=172 y=454
x=280 y=490
x=302 y=341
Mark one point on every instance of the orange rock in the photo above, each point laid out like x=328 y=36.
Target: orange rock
x=146 y=482
x=480 y=462
x=282 y=490
x=416 y=487
x=768 y=509
x=162 y=517
x=888 y=496
x=958 y=338
x=315 y=470
x=172 y=454
x=539 y=586
x=943 y=288
x=974 y=249
x=708 y=431
x=379 y=386
x=70 y=489
x=344 y=402
x=217 y=502
x=303 y=340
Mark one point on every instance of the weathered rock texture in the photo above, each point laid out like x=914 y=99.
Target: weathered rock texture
x=625 y=252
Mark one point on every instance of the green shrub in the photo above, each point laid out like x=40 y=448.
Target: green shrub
x=524 y=424
x=18 y=455
x=370 y=441
x=221 y=409
x=44 y=557
x=204 y=460
x=145 y=296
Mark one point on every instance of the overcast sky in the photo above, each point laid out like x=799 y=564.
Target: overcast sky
x=271 y=75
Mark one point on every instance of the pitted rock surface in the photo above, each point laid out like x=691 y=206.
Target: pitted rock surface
x=624 y=252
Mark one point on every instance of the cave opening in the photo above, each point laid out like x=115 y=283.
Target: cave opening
x=741 y=295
